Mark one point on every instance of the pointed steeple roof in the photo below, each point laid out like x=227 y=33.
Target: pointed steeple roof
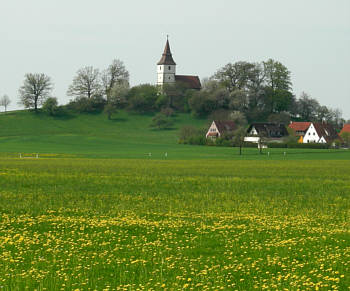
x=167 y=58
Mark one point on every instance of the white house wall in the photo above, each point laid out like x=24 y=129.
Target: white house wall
x=311 y=135
x=254 y=139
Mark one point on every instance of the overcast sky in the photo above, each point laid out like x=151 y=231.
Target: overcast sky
x=57 y=37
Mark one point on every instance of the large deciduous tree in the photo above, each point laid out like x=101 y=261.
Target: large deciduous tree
x=277 y=75
x=86 y=84
x=5 y=101
x=115 y=74
x=307 y=107
x=235 y=76
x=35 y=90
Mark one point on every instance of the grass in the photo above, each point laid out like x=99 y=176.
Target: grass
x=202 y=218
x=94 y=224
x=126 y=136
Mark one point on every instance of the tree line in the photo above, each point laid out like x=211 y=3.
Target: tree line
x=258 y=91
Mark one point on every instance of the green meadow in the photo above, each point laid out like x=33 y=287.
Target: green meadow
x=127 y=136
x=95 y=211
x=112 y=224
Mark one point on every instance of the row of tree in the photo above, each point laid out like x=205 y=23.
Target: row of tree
x=262 y=91
x=259 y=91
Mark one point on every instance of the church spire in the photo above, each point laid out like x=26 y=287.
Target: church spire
x=167 y=58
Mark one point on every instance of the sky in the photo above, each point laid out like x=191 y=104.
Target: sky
x=58 y=37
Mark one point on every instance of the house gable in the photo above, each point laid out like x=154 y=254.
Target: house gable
x=218 y=128
x=213 y=131
x=311 y=135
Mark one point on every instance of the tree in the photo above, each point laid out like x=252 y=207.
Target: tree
x=109 y=109
x=277 y=75
x=238 y=137
x=202 y=103
x=35 y=90
x=119 y=93
x=161 y=121
x=115 y=74
x=307 y=107
x=238 y=118
x=235 y=76
x=346 y=138
x=5 y=101
x=50 y=106
x=143 y=98
x=282 y=117
x=86 y=84
x=117 y=97
x=291 y=137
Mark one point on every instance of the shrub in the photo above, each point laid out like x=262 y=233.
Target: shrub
x=161 y=121
x=87 y=105
x=50 y=106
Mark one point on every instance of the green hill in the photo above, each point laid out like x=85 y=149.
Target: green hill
x=128 y=135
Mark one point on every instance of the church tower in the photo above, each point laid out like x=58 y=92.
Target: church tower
x=166 y=67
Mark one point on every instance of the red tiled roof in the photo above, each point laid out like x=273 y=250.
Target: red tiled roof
x=326 y=130
x=192 y=82
x=299 y=126
x=225 y=126
x=167 y=58
x=346 y=128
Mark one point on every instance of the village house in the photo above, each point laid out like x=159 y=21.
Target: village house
x=320 y=133
x=300 y=129
x=220 y=128
x=346 y=128
x=273 y=132
x=166 y=72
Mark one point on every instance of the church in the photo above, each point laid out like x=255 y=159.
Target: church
x=166 y=71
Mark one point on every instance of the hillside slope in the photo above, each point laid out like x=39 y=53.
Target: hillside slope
x=127 y=134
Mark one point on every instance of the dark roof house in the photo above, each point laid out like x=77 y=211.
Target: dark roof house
x=219 y=127
x=326 y=131
x=269 y=130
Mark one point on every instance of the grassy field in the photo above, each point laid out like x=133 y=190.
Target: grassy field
x=127 y=136
x=117 y=224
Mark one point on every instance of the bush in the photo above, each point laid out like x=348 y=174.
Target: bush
x=167 y=111
x=161 y=121
x=143 y=98
x=87 y=105
x=50 y=106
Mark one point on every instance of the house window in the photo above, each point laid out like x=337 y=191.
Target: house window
x=314 y=133
x=169 y=68
x=169 y=78
x=309 y=133
x=160 y=68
